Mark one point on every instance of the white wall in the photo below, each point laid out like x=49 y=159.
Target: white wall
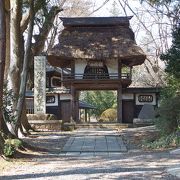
x=112 y=65
x=80 y=65
x=65 y=96
x=127 y=96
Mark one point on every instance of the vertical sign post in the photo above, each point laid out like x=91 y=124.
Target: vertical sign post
x=40 y=84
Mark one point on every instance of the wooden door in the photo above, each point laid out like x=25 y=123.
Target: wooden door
x=128 y=111
x=65 y=110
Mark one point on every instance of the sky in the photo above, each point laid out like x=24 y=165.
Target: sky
x=144 y=11
x=105 y=10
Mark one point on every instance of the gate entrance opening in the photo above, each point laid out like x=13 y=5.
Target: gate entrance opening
x=101 y=106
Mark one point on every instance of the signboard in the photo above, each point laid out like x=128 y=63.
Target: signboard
x=39 y=84
x=144 y=98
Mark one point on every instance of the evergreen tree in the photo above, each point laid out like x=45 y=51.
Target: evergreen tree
x=169 y=119
x=172 y=57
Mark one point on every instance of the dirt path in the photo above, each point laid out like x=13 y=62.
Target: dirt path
x=134 y=164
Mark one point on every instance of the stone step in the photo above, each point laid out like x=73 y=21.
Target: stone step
x=47 y=125
x=103 y=125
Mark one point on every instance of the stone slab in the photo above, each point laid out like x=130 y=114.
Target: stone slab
x=95 y=141
x=175 y=171
x=102 y=154
x=175 y=151
x=73 y=154
x=87 y=154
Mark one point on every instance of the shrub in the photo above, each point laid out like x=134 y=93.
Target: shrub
x=109 y=115
x=168 y=141
x=9 y=150
x=10 y=147
x=169 y=115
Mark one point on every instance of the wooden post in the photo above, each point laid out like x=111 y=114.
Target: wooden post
x=76 y=106
x=62 y=84
x=85 y=115
x=131 y=73
x=119 y=104
x=89 y=117
x=72 y=103
x=119 y=68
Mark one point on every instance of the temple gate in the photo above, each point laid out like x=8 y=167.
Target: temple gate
x=99 y=53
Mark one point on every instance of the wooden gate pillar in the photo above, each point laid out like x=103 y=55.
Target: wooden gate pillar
x=75 y=104
x=86 y=120
x=119 y=104
x=72 y=103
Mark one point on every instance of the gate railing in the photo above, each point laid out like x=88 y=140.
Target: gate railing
x=110 y=76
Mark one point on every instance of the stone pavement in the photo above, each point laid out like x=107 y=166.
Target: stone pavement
x=175 y=170
x=94 y=142
x=93 y=154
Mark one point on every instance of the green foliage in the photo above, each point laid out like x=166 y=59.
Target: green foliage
x=102 y=100
x=16 y=143
x=8 y=150
x=10 y=146
x=161 y=2
x=169 y=115
x=8 y=100
x=169 y=111
x=173 y=86
x=109 y=115
x=172 y=57
x=172 y=140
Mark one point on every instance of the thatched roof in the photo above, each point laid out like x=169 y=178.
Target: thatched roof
x=101 y=39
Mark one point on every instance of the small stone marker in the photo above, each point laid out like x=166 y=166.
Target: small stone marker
x=146 y=115
x=147 y=112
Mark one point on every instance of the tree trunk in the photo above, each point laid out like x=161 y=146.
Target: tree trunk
x=7 y=62
x=15 y=51
x=24 y=72
x=2 y=53
x=1 y=144
x=15 y=44
x=24 y=120
x=2 y=63
x=41 y=38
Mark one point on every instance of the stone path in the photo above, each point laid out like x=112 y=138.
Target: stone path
x=84 y=158
x=94 y=142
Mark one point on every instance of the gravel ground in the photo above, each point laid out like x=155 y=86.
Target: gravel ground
x=135 y=164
